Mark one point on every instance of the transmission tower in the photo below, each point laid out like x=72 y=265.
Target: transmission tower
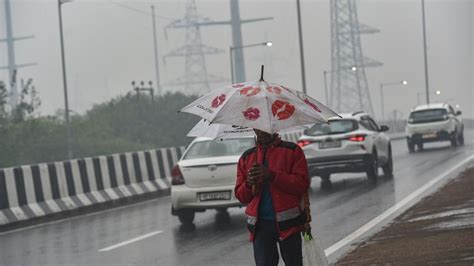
x=196 y=79
x=12 y=66
x=349 y=88
x=195 y=22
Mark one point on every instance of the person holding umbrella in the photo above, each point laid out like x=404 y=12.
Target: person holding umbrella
x=272 y=179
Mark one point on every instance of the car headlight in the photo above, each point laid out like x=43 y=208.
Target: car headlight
x=410 y=121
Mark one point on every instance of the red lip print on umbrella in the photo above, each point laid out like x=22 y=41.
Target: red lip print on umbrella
x=282 y=110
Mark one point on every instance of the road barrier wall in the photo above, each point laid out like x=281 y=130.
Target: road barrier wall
x=33 y=191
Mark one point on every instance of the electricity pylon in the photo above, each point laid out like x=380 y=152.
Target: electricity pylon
x=349 y=88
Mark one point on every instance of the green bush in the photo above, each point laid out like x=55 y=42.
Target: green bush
x=122 y=124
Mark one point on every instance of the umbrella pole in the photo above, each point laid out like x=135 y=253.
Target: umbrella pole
x=254 y=187
x=261 y=73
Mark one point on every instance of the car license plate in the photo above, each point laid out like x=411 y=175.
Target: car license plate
x=216 y=195
x=330 y=144
x=429 y=136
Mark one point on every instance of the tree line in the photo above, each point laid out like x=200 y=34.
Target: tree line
x=123 y=124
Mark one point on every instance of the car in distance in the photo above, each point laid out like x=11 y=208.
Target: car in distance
x=352 y=143
x=204 y=177
x=434 y=122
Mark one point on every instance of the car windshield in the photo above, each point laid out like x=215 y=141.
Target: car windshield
x=215 y=148
x=428 y=114
x=334 y=127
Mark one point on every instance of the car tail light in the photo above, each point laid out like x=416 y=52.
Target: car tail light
x=303 y=143
x=176 y=176
x=357 y=138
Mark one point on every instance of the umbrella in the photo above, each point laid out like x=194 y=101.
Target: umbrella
x=262 y=105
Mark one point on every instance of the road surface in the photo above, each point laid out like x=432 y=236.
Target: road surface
x=146 y=233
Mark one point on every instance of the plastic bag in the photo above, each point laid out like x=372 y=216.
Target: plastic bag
x=313 y=254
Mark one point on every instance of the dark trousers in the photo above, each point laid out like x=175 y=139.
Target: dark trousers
x=265 y=246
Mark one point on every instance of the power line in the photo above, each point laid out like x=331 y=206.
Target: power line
x=139 y=10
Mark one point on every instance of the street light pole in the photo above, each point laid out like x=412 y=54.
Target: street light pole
x=427 y=84
x=382 y=102
x=300 y=35
x=403 y=82
x=66 y=103
x=437 y=92
x=149 y=89
x=157 y=72
x=231 y=55
x=326 y=72
x=326 y=93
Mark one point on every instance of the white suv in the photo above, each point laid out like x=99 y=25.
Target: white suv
x=352 y=143
x=434 y=122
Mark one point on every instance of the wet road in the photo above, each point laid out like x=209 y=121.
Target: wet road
x=146 y=233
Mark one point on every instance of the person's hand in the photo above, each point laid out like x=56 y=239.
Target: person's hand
x=253 y=176
x=259 y=174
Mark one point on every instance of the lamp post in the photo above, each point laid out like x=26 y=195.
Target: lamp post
x=382 y=85
x=326 y=93
x=418 y=94
x=326 y=90
x=231 y=55
x=142 y=87
x=300 y=35
x=427 y=83
x=155 y=48
x=63 y=62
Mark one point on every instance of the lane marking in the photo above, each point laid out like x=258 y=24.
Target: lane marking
x=67 y=219
x=124 y=243
x=372 y=223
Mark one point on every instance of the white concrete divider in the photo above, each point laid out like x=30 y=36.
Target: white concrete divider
x=32 y=191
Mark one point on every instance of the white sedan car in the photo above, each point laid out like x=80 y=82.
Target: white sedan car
x=352 y=143
x=204 y=177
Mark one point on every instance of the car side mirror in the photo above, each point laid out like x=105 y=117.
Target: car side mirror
x=384 y=128
x=305 y=131
x=458 y=113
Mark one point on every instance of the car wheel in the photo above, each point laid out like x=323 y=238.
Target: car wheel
x=454 y=140
x=186 y=217
x=461 y=139
x=388 y=167
x=373 y=168
x=420 y=146
x=411 y=146
x=326 y=183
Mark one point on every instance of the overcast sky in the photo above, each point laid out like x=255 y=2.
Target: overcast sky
x=108 y=46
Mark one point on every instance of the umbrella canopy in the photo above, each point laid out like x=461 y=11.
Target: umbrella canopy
x=262 y=105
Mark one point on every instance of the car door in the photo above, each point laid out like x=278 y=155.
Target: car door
x=379 y=139
x=456 y=119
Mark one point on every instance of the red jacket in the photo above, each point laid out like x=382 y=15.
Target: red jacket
x=287 y=164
